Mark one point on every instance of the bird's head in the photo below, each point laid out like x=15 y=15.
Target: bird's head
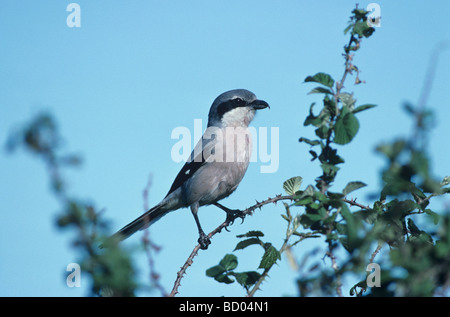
x=234 y=108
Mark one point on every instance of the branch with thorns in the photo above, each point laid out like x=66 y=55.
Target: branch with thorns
x=229 y=221
x=224 y=225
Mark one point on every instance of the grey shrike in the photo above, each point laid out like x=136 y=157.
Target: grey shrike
x=216 y=166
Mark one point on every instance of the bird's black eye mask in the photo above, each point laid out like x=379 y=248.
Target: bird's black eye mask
x=228 y=105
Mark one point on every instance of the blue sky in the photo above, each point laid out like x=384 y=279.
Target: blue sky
x=134 y=71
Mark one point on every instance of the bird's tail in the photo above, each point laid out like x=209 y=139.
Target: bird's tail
x=139 y=223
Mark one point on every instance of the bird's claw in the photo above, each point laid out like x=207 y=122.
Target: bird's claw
x=204 y=241
x=232 y=214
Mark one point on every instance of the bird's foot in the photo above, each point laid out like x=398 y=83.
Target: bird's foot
x=232 y=214
x=204 y=241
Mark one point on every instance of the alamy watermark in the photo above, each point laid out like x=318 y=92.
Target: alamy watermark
x=374 y=277
x=231 y=144
x=74 y=18
x=73 y=279
x=374 y=17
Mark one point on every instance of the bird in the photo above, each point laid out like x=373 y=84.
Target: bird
x=215 y=167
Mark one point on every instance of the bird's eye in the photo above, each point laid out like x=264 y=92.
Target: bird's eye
x=239 y=102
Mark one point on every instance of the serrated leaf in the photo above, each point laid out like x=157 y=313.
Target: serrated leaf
x=346 y=127
x=269 y=258
x=229 y=262
x=352 y=186
x=321 y=78
x=292 y=185
x=245 y=243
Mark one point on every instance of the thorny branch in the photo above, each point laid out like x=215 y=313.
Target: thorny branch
x=225 y=224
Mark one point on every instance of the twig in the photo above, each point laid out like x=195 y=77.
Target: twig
x=374 y=254
x=149 y=246
x=261 y=279
x=180 y=273
x=425 y=93
x=336 y=269
x=226 y=223
x=347 y=70
x=354 y=203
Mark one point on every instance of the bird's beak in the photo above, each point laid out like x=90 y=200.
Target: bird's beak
x=259 y=104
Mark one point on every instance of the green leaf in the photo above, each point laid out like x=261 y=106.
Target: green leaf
x=313 y=216
x=321 y=78
x=322 y=132
x=269 y=258
x=320 y=90
x=311 y=118
x=251 y=233
x=247 y=278
x=436 y=217
x=346 y=127
x=392 y=150
x=309 y=191
x=215 y=271
x=369 y=216
x=348 y=28
x=413 y=228
x=363 y=107
x=417 y=233
x=304 y=201
x=351 y=229
x=224 y=278
x=245 y=243
x=363 y=29
x=292 y=185
x=360 y=14
x=329 y=169
x=229 y=262
x=352 y=186
x=419 y=163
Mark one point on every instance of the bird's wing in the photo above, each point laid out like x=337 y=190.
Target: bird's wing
x=198 y=158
